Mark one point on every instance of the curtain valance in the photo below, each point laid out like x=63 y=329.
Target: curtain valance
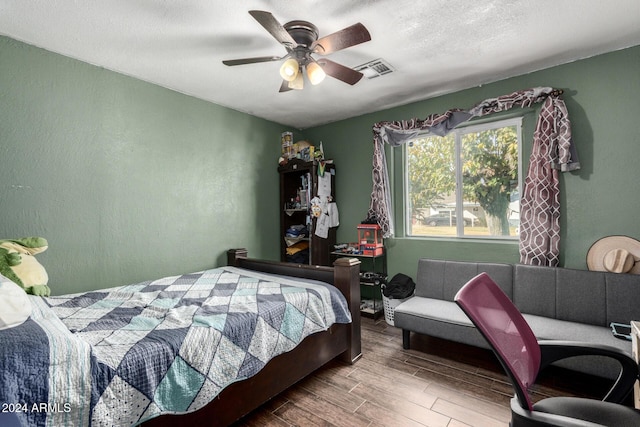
x=552 y=150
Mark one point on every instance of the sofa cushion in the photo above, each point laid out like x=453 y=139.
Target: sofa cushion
x=622 y=297
x=581 y=296
x=545 y=328
x=442 y=279
x=562 y=293
x=437 y=318
x=534 y=290
x=435 y=309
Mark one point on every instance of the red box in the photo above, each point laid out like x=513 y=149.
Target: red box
x=372 y=251
x=370 y=239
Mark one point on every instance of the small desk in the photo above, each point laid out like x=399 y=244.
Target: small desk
x=635 y=351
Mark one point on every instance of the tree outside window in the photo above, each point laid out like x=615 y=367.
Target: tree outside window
x=473 y=174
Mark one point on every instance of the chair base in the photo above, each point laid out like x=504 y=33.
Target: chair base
x=573 y=411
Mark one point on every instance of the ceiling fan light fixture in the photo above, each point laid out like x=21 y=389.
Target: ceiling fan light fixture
x=315 y=73
x=297 y=83
x=300 y=39
x=290 y=69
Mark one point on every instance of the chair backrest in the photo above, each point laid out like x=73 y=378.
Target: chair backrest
x=508 y=333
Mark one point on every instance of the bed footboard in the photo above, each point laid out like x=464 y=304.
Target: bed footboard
x=344 y=275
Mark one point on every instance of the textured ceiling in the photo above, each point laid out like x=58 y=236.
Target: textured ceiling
x=435 y=46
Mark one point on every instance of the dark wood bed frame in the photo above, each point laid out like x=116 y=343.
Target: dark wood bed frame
x=340 y=341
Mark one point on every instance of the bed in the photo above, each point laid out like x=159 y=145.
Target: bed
x=149 y=351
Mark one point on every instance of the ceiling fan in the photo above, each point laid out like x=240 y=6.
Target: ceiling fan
x=300 y=39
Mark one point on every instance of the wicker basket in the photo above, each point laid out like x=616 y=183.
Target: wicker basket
x=390 y=305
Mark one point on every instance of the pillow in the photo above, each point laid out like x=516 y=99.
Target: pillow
x=15 y=306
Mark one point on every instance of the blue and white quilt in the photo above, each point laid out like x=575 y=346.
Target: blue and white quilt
x=123 y=355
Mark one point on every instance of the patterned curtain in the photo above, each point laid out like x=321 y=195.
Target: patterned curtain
x=396 y=134
x=540 y=203
x=552 y=151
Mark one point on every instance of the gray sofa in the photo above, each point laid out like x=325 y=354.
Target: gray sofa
x=558 y=303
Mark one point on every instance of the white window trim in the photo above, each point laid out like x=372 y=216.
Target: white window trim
x=458 y=132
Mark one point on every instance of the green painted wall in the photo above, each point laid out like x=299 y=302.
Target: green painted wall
x=128 y=181
x=603 y=98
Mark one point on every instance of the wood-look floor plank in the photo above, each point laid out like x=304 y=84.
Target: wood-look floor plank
x=382 y=389
x=369 y=371
x=456 y=423
x=435 y=383
x=296 y=416
x=336 y=395
x=390 y=361
x=264 y=419
x=398 y=404
x=319 y=406
x=466 y=415
x=382 y=416
x=460 y=396
x=338 y=377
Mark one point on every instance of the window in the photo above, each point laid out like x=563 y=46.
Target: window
x=473 y=174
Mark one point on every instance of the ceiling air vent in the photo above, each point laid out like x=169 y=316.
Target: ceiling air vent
x=376 y=68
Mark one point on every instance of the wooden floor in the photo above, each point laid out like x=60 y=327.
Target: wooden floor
x=436 y=383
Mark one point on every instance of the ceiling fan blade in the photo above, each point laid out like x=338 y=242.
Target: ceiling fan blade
x=340 y=72
x=232 y=62
x=284 y=87
x=271 y=24
x=342 y=39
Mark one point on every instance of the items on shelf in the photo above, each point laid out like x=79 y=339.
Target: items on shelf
x=286 y=141
x=302 y=150
x=373 y=277
x=295 y=231
x=309 y=211
x=370 y=239
x=347 y=248
x=371 y=306
x=370 y=242
x=298 y=252
x=300 y=198
x=295 y=234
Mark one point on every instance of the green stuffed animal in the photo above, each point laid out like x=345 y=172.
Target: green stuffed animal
x=18 y=264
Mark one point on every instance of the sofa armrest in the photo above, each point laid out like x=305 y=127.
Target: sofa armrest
x=552 y=351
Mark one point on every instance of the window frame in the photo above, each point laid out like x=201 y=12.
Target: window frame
x=458 y=132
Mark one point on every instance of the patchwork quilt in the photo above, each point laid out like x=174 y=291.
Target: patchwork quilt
x=123 y=355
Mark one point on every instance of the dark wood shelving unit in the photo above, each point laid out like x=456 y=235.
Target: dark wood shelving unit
x=299 y=180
